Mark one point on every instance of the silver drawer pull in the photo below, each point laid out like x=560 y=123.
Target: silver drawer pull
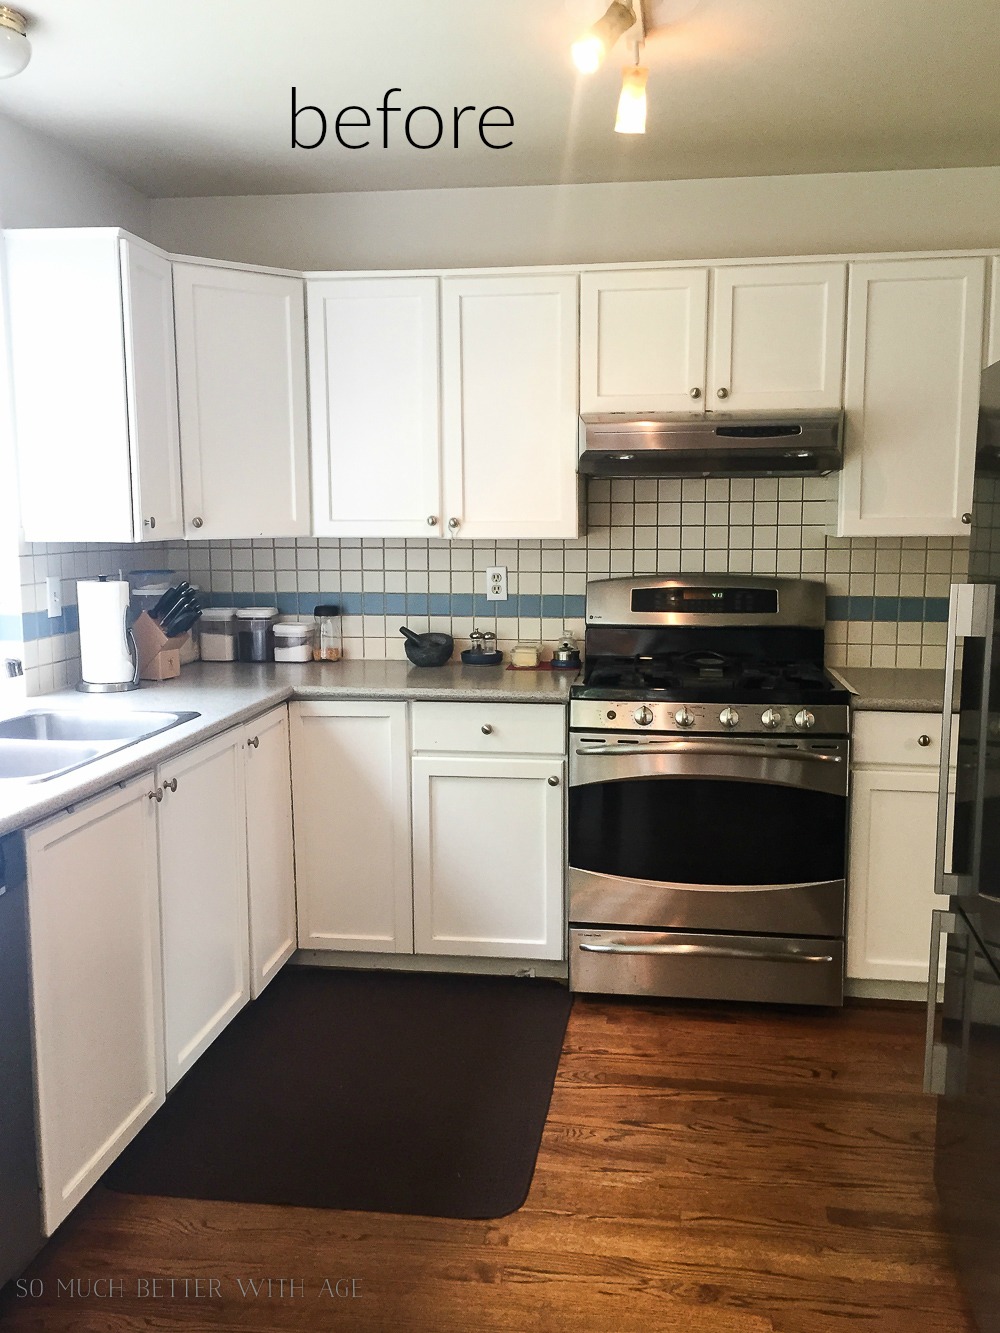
x=717 y=748
x=706 y=951
x=486 y=729
x=923 y=740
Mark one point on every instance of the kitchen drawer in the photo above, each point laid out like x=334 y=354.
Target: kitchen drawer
x=894 y=738
x=489 y=728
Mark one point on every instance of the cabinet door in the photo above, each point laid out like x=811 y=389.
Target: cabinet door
x=203 y=891
x=98 y=1003
x=375 y=415
x=642 y=340
x=488 y=857
x=151 y=383
x=511 y=420
x=992 y=341
x=92 y=361
x=270 y=856
x=241 y=386
x=777 y=339
x=351 y=804
x=911 y=393
x=890 y=893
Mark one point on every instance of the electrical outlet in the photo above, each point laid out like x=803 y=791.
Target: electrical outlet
x=496 y=583
x=53 y=597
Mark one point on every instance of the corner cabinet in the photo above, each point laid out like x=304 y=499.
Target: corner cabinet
x=95 y=386
x=911 y=396
x=97 y=995
x=756 y=337
x=893 y=822
x=444 y=407
x=241 y=384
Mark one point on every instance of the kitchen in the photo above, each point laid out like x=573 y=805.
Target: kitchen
x=887 y=587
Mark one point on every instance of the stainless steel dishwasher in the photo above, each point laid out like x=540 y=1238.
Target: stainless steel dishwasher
x=20 y=1216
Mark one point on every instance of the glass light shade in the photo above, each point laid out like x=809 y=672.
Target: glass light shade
x=15 y=49
x=591 y=48
x=632 y=102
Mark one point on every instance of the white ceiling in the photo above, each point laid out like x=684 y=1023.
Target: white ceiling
x=193 y=98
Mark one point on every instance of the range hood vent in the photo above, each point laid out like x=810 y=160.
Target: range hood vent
x=656 y=445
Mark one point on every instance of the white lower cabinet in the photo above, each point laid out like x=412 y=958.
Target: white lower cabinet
x=270 y=853
x=203 y=890
x=352 y=826
x=96 y=982
x=478 y=870
x=893 y=822
x=488 y=856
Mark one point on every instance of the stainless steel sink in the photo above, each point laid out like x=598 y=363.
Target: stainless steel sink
x=45 y=743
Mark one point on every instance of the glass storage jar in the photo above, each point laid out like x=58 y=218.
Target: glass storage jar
x=327 y=645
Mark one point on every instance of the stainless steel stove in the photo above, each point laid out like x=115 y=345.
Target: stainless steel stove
x=708 y=792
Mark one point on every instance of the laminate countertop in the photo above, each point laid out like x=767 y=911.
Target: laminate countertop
x=893 y=689
x=226 y=694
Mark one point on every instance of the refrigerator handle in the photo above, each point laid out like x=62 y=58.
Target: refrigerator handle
x=935 y=1053
x=955 y=614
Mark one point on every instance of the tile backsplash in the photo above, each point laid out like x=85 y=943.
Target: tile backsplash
x=887 y=597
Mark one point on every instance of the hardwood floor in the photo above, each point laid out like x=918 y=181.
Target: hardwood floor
x=704 y=1169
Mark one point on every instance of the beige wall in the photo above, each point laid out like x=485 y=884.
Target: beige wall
x=773 y=215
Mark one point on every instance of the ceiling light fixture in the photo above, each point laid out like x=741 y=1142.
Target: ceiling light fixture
x=15 y=49
x=631 y=117
x=589 y=51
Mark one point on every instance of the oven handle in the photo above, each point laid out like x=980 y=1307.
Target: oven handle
x=706 y=951
x=717 y=748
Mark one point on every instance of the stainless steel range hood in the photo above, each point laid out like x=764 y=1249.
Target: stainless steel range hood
x=657 y=445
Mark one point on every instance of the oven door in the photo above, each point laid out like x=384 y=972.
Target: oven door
x=742 y=835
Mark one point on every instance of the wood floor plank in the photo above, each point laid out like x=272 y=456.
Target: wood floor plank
x=704 y=1169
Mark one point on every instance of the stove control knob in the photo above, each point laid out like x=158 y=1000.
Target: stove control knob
x=805 y=719
x=729 y=717
x=643 y=716
x=683 y=718
x=771 y=718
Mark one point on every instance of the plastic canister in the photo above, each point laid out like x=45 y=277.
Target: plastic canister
x=217 y=632
x=293 y=640
x=255 y=633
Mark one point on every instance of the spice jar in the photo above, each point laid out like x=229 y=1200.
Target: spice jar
x=327 y=645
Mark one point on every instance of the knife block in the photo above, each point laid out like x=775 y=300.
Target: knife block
x=159 y=656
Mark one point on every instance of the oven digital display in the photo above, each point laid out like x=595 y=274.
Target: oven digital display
x=714 y=601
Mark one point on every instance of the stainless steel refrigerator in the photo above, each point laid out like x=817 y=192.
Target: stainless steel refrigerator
x=963 y=1030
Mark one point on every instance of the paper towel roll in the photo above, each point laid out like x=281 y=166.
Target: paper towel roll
x=104 y=651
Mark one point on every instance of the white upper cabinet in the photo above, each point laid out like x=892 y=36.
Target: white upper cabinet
x=374 y=399
x=777 y=338
x=511 y=417
x=241 y=382
x=643 y=335
x=95 y=392
x=914 y=350
x=772 y=336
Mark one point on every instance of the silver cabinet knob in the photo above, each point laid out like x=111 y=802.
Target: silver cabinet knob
x=156 y=794
x=197 y=522
x=453 y=523
x=553 y=781
x=432 y=520
x=487 y=729
x=695 y=393
x=684 y=718
x=805 y=719
x=643 y=716
x=966 y=518
x=254 y=741
x=151 y=522
x=722 y=393
x=170 y=784
x=729 y=717
x=771 y=718
x=924 y=741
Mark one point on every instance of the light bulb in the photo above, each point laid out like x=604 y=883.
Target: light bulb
x=632 y=102
x=588 y=53
x=15 y=49
x=591 y=48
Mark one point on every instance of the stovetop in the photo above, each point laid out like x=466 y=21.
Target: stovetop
x=707 y=676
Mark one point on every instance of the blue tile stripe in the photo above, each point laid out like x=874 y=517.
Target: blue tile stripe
x=550 y=606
